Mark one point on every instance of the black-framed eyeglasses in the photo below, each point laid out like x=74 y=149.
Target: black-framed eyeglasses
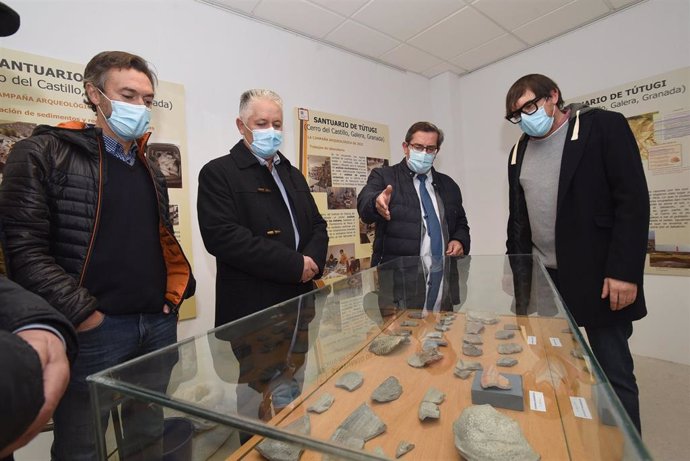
x=527 y=108
x=422 y=148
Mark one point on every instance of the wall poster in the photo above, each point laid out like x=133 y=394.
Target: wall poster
x=38 y=90
x=336 y=155
x=658 y=111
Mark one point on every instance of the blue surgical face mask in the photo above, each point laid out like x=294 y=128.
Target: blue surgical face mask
x=128 y=121
x=266 y=142
x=419 y=161
x=537 y=124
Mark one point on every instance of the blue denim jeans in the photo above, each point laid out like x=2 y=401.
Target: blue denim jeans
x=117 y=339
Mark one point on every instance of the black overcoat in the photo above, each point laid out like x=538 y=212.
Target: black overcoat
x=602 y=215
x=245 y=224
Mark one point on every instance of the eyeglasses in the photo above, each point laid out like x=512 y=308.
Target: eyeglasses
x=527 y=108
x=421 y=148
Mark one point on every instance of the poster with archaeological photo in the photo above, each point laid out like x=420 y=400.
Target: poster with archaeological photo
x=658 y=111
x=37 y=90
x=336 y=156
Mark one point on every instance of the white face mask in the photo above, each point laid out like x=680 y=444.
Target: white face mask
x=128 y=121
x=419 y=161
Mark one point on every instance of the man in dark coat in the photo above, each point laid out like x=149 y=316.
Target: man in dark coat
x=394 y=198
x=258 y=217
x=579 y=200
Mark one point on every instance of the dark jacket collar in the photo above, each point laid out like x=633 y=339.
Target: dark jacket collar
x=245 y=159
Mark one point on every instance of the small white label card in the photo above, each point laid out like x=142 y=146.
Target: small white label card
x=532 y=340
x=580 y=407
x=556 y=342
x=536 y=401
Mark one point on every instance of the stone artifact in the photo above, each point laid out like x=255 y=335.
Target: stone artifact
x=403 y=447
x=434 y=395
x=487 y=318
x=385 y=344
x=492 y=378
x=509 y=348
x=322 y=404
x=463 y=370
x=364 y=423
x=350 y=381
x=441 y=327
x=416 y=315
x=447 y=320
x=511 y=326
x=409 y=323
x=472 y=351
x=506 y=362
x=428 y=410
x=275 y=450
x=474 y=328
x=578 y=353
x=431 y=343
x=402 y=332
x=422 y=359
x=434 y=335
x=470 y=338
x=483 y=433
x=347 y=438
x=388 y=390
x=504 y=334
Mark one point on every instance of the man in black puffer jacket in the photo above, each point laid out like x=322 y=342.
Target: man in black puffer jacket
x=394 y=198
x=87 y=228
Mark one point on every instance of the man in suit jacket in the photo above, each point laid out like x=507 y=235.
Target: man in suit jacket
x=579 y=200
x=258 y=217
x=394 y=198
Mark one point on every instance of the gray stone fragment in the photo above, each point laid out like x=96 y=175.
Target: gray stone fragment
x=464 y=365
x=506 y=362
x=416 y=315
x=447 y=320
x=472 y=351
x=578 y=353
x=428 y=410
x=403 y=447
x=402 y=332
x=347 y=438
x=487 y=318
x=322 y=404
x=441 y=327
x=350 y=381
x=509 y=348
x=511 y=326
x=422 y=359
x=470 y=338
x=462 y=374
x=409 y=323
x=364 y=423
x=389 y=390
x=474 y=328
x=482 y=433
x=504 y=334
x=431 y=343
x=385 y=344
x=275 y=450
x=434 y=335
x=434 y=395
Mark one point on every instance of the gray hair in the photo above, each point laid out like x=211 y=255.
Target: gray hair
x=252 y=95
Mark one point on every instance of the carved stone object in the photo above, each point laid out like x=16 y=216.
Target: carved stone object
x=322 y=404
x=385 y=344
x=470 y=338
x=441 y=327
x=504 y=334
x=483 y=433
x=434 y=395
x=487 y=318
x=506 y=362
x=509 y=348
x=422 y=359
x=492 y=378
x=351 y=380
x=275 y=450
x=416 y=315
x=403 y=447
x=364 y=423
x=474 y=328
x=347 y=438
x=472 y=351
x=402 y=332
x=431 y=343
x=409 y=323
x=388 y=390
x=434 y=335
x=428 y=410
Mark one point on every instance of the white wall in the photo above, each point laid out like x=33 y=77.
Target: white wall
x=217 y=55
x=645 y=40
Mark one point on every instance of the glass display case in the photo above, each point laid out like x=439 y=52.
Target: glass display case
x=371 y=367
